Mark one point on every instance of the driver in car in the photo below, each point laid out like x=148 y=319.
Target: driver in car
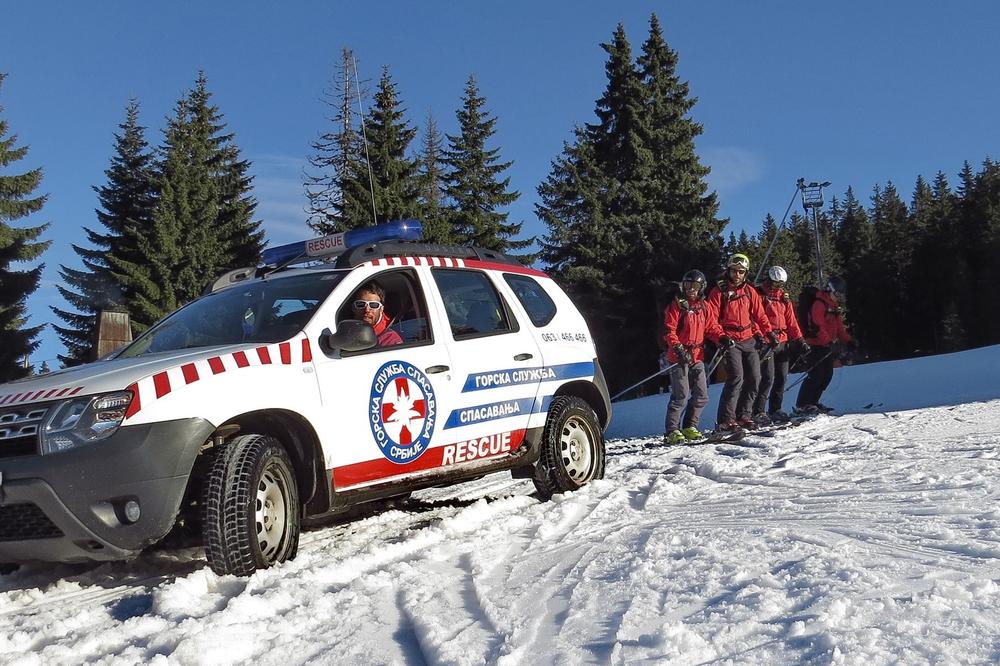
x=369 y=308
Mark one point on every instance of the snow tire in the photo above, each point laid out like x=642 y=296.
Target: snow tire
x=572 y=448
x=251 y=507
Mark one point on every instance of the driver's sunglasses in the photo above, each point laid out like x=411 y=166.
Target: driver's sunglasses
x=361 y=305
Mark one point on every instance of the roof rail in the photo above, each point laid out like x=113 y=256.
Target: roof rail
x=393 y=248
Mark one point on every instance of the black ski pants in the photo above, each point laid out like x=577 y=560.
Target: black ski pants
x=820 y=361
x=686 y=382
x=742 y=378
x=773 y=373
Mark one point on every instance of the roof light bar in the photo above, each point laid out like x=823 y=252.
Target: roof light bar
x=334 y=244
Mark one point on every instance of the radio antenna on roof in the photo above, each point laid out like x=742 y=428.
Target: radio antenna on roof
x=364 y=135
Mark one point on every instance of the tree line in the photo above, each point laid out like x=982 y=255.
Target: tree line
x=918 y=274
x=625 y=206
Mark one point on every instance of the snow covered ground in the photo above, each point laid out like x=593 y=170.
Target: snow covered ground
x=871 y=537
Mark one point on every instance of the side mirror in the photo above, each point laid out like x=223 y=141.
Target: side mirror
x=351 y=336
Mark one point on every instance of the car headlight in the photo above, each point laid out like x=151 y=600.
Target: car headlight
x=81 y=421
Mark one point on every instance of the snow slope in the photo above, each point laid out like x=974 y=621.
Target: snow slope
x=872 y=537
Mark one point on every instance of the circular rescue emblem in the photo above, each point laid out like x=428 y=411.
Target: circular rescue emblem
x=401 y=411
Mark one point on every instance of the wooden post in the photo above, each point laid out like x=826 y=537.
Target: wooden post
x=113 y=330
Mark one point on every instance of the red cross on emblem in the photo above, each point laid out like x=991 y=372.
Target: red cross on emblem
x=403 y=410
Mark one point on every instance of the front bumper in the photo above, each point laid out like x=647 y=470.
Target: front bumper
x=69 y=506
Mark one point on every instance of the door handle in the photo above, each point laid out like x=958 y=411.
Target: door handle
x=435 y=369
x=523 y=357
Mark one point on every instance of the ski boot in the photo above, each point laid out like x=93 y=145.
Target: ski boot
x=780 y=416
x=761 y=420
x=674 y=437
x=691 y=434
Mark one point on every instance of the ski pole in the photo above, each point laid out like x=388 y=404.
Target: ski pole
x=715 y=362
x=806 y=373
x=640 y=383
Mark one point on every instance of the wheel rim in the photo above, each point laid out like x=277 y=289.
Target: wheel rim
x=576 y=449
x=272 y=511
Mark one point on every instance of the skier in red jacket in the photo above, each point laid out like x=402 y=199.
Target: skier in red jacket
x=739 y=309
x=685 y=322
x=830 y=338
x=775 y=359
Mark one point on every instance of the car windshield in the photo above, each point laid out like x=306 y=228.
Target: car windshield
x=262 y=311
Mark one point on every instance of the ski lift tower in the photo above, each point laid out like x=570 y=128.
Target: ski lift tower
x=812 y=198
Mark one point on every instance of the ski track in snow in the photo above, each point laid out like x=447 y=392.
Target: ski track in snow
x=862 y=538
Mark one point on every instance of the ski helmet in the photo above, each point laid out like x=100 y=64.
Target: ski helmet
x=777 y=274
x=739 y=261
x=837 y=285
x=694 y=276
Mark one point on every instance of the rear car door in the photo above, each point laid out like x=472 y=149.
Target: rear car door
x=496 y=364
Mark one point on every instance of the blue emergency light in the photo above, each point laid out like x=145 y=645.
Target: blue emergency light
x=334 y=244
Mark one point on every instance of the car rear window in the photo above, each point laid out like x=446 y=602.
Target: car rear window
x=537 y=303
x=473 y=304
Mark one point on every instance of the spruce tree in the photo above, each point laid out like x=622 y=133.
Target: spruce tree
x=626 y=205
x=201 y=224
x=853 y=239
x=17 y=245
x=339 y=151
x=393 y=173
x=240 y=236
x=437 y=226
x=126 y=202
x=683 y=230
x=891 y=259
x=474 y=183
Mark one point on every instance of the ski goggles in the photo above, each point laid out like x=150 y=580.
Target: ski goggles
x=371 y=305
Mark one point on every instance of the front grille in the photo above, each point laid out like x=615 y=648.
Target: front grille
x=19 y=428
x=25 y=521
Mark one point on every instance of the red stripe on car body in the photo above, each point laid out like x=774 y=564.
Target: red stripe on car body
x=285 y=349
x=264 y=355
x=161 y=382
x=217 y=366
x=241 y=359
x=505 y=268
x=307 y=356
x=135 y=405
x=383 y=468
x=190 y=373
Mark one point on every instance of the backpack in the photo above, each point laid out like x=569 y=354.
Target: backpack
x=803 y=311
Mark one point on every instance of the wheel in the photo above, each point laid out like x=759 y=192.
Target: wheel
x=251 y=507
x=572 y=448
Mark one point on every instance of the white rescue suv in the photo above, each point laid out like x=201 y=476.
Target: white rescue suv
x=268 y=401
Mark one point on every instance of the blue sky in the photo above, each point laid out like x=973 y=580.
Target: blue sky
x=852 y=92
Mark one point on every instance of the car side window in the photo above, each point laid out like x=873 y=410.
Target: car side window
x=404 y=305
x=473 y=305
x=537 y=303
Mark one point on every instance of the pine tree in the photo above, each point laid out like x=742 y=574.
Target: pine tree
x=126 y=206
x=625 y=204
x=981 y=236
x=474 y=184
x=891 y=260
x=394 y=175
x=241 y=237
x=339 y=152
x=683 y=230
x=17 y=245
x=782 y=254
x=437 y=227
x=201 y=224
x=853 y=240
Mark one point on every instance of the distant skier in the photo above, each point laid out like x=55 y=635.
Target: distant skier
x=775 y=359
x=686 y=320
x=827 y=336
x=739 y=309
